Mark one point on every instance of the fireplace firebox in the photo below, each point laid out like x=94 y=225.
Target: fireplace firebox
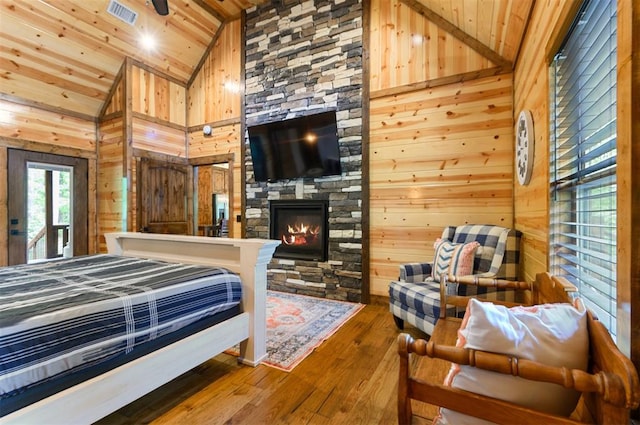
x=302 y=228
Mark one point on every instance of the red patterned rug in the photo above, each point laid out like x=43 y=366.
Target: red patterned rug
x=297 y=324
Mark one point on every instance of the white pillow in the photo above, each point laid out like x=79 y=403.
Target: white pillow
x=553 y=334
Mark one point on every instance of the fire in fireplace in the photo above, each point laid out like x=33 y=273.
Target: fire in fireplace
x=301 y=226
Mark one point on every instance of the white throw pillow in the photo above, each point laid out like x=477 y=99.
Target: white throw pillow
x=553 y=334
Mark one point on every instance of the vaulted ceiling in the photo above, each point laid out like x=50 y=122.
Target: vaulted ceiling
x=67 y=53
x=494 y=27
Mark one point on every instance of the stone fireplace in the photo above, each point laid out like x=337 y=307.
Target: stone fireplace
x=301 y=227
x=304 y=57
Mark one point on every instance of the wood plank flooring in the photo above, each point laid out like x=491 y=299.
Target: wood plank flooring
x=351 y=378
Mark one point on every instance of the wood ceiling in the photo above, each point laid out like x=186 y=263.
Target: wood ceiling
x=66 y=54
x=494 y=27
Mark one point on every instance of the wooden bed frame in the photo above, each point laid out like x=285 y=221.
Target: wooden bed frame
x=609 y=387
x=91 y=400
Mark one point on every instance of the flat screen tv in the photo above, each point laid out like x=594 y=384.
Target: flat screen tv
x=306 y=146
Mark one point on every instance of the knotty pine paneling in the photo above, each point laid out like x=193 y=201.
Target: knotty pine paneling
x=132 y=198
x=497 y=24
x=47 y=66
x=547 y=28
x=67 y=53
x=205 y=189
x=215 y=93
x=438 y=157
x=531 y=91
x=157 y=97
x=406 y=48
x=158 y=138
x=115 y=102
x=111 y=199
x=224 y=140
x=4 y=210
x=30 y=124
x=628 y=175
x=34 y=129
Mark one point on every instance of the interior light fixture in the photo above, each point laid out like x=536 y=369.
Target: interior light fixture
x=148 y=42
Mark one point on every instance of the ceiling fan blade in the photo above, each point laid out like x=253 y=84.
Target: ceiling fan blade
x=161 y=6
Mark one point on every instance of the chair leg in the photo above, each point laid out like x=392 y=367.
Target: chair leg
x=399 y=322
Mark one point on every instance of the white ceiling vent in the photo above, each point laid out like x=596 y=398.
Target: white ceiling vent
x=122 y=12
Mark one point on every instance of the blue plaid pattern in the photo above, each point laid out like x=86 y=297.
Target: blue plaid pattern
x=416 y=303
x=415 y=297
x=415 y=272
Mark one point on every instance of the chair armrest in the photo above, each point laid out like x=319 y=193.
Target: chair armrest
x=450 y=297
x=415 y=272
x=605 y=384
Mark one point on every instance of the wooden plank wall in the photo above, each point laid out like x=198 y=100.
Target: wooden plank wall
x=628 y=270
x=439 y=156
x=23 y=126
x=4 y=210
x=224 y=140
x=214 y=98
x=158 y=97
x=215 y=92
x=158 y=117
x=111 y=197
x=547 y=28
x=531 y=82
x=406 y=48
x=158 y=137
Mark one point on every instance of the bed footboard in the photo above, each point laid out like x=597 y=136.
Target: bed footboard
x=246 y=257
x=106 y=393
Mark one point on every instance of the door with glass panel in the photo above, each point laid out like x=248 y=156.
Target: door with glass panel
x=47 y=205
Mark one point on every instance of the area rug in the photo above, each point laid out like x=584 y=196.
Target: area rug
x=297 y=324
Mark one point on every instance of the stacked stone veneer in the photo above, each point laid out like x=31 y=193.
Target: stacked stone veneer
x=305 y=57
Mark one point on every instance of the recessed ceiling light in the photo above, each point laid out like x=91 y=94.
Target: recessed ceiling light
x=148 y=41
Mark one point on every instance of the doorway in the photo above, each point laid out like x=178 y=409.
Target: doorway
x=47 y=206
x=213 y=200
x=49 y=212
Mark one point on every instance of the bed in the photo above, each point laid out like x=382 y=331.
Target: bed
x=159 y=356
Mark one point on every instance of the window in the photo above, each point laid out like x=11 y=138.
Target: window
x=583 y=159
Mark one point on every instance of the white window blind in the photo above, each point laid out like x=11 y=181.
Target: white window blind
x=583 y=159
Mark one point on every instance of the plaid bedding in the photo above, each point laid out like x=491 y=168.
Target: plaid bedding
x=63 y=316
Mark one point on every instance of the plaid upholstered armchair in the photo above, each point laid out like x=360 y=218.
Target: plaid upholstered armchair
x=493 y=251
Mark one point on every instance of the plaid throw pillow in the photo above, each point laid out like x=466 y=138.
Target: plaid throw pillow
x=454 y=259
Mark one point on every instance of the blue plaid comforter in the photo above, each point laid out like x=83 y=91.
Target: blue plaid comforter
x=62 y=316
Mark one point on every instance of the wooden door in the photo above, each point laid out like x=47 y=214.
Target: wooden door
x=205 y=204
x=163 y=201
x=18 y=163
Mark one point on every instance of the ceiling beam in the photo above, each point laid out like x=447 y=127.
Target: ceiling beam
x=452 y=29
x=210 y=10
x=205 y=54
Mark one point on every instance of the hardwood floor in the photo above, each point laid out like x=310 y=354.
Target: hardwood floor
x=350 y=379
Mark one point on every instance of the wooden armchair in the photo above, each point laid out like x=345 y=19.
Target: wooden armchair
x=608 y=389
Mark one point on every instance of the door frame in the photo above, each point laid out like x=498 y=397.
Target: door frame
x=17 y=163
x=228 y=158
